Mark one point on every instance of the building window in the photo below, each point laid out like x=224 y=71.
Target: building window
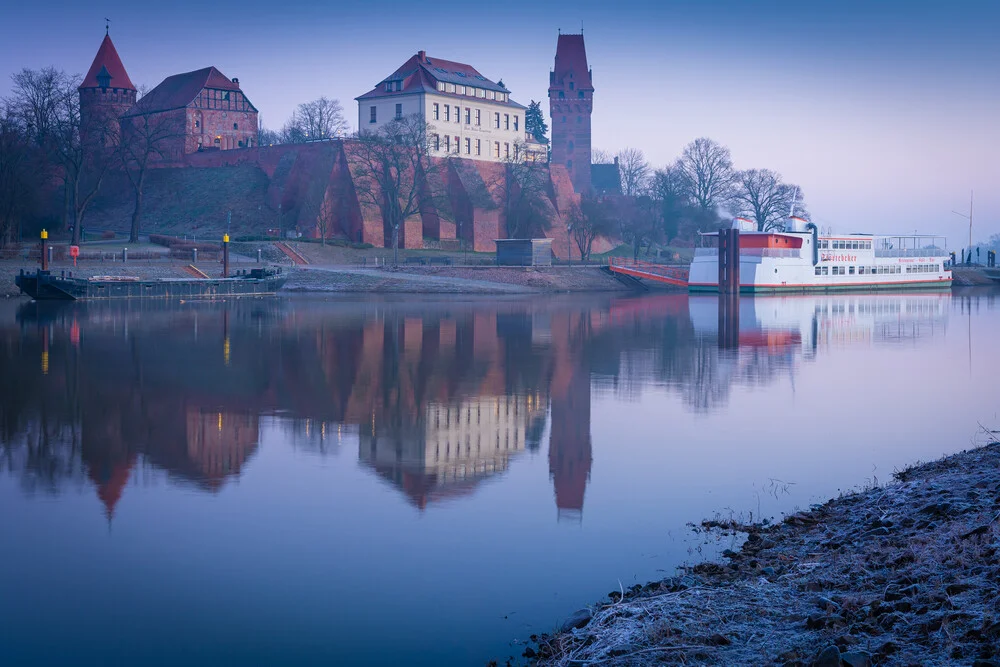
x=437 y=111
x=479 y=146
x=447 y=144
x=399 y=111
x=447 y=112
x=235 y=126
x=468 y=116
x=477 y=117
x=515 y=123
x=569 y=165
x=496 y=121
x=496 y=149
x=517 y=151
x=458 y=145
x=449 y=87
x=580 y=94
x=458 y=115
x=460 y=90
x=437 y=142
x=492 y=95
x=197 y=123
x=480 y=92
x=562 y=95
x=506 y=150
x=468 y=146
x=372 y=112
x=569 y=147
x=441 y=86
x=506 y=121
x=388 y=86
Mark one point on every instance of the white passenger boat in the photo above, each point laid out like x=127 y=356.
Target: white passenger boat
x=800 y=259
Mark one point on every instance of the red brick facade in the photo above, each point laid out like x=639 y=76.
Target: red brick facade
x=571 y=101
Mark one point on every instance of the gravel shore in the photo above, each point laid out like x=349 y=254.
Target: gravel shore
x=902 y=574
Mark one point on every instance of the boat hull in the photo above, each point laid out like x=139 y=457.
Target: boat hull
x=925 y=286
x=43 y=286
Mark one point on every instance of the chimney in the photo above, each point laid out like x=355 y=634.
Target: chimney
x=422 y=56
x=236 y=81
x=616 y=160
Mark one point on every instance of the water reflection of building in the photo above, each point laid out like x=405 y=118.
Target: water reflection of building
x=441 y=395
x=775 y=333
x=453 y=447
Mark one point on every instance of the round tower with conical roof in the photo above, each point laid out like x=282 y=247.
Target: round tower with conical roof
x=105 y=94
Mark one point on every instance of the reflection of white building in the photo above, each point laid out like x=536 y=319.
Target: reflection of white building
x=772 y=333
x=456 y=445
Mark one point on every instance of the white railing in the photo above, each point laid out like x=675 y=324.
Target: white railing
x=783 y=253
x=910 y=252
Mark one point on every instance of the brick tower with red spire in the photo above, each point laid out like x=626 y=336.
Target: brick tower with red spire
x=105 y=94
x=571 y=102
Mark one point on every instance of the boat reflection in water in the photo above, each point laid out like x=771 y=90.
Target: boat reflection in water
x=439 y=396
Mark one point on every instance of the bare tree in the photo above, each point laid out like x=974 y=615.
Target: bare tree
x=319 y=119
x=49 y=104
x=145 y=137
x=589 y=219
x=638 y=221
x=708 y=173
x=391 y=167
x=600 y=156
x=762 y=196
x=22 y=170
x=634 y=170
x=523 y=191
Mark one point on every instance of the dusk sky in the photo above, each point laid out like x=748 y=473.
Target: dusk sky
x=886 y=115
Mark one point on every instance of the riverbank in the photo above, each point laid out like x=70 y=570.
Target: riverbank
x=902 y=574
x=352 y=279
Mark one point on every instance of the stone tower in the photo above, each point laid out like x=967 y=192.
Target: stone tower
x=105 y=94
x=571 y=101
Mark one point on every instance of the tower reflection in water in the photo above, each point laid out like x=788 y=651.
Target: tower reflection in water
x=441 y=396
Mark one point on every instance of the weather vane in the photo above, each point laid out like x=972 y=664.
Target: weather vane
x=107 y=26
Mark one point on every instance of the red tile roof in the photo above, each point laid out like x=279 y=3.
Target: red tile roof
x=571 y=58
x=421 y=73
x=107 y=58
x=180 y=90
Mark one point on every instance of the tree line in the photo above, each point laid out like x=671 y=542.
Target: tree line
x=698 y=192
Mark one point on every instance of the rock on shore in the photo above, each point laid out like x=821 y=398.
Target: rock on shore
x=902 y=574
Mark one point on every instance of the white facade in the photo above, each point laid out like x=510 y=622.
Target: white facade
x=463 y=126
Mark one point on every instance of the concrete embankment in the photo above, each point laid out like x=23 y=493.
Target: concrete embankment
x=902 y=574
x=969 y=276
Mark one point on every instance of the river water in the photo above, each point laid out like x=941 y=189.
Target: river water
x=429 y=481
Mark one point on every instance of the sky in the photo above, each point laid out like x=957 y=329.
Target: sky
x=886 y=114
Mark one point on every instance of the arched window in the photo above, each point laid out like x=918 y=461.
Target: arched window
x=569 y=147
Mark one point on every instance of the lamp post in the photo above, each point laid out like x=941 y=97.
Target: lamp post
x=569 y=245
x=971 y=194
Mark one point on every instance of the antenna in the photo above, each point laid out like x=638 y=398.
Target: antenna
x=795 y=195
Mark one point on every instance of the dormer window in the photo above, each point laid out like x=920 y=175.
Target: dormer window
x=572 y=85
x=104 y=77
x=388 y=86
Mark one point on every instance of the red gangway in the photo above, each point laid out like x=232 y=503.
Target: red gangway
x=670 y=275
x=291 y=253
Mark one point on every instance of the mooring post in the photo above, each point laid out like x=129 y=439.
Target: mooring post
x=124 y=255
x=734 y=262
x=258 y=255
x=225 y=256
x=723 y=258
x=45 y=252
x=194 y=255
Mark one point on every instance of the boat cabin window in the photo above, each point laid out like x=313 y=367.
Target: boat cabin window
x=850 y=270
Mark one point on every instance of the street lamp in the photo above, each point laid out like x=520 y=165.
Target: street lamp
x=569 y=245
x=971 y=194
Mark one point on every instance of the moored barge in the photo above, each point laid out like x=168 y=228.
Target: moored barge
x=46 y=286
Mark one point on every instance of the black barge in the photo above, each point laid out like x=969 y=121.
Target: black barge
x=44 y=286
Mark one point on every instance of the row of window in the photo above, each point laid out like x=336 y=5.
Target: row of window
x=221 y=99
x=472 y=91
x=876 y=270
x=562 y=95
x=838 y=244
x=448 y=144
x=469 y=117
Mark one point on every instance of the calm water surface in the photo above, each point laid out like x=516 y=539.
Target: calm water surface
x=428 y=482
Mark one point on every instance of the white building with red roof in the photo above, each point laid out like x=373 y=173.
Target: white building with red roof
x=468 y=115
